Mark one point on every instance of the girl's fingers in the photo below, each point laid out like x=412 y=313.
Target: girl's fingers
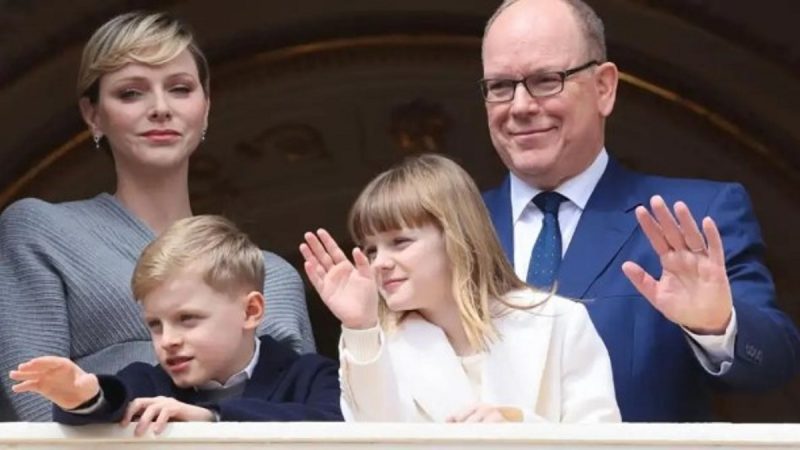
x=331 y=247
x=318 y=250
x=362 y=263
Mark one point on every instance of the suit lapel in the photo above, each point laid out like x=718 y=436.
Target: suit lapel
x=604 y=227
x=498 y=202
x=438 y=382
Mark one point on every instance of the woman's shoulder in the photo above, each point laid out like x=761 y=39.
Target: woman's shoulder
x=36 y=208
x=34 y=214
x=281 y=280
x=27 y=207
x=276 y=265
x=28 y=214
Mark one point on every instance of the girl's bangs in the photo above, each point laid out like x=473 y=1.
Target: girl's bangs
x=388 y=205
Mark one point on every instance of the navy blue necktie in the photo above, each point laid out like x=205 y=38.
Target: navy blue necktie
x=546 y=254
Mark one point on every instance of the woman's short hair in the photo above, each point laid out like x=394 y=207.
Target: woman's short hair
x=227 y=259
x=432 y=189
x=148 y=38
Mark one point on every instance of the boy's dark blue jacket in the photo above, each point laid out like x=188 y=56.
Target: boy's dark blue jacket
x=284 y=386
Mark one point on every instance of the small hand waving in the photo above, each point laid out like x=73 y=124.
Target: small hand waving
x=349 y=290
x=56 y=378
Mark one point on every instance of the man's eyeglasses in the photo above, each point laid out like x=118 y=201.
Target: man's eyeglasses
x=498 y=90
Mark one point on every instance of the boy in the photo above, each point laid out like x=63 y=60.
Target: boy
x=199 y=285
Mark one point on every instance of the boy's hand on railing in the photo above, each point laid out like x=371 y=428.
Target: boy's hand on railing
x=56 y=378
x=157 y=411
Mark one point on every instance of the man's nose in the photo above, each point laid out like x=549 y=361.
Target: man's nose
x=523 y=102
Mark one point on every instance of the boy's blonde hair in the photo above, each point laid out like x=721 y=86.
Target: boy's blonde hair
x=148 y=38
x=432 y=189
x=226 y=257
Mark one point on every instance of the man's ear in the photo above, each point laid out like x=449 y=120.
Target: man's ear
x=253 y=310
x=607 y=78
x=89 y=114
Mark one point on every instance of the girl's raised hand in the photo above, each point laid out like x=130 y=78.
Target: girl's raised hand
x=348 y=290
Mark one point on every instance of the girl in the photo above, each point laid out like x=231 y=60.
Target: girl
x=435 y=324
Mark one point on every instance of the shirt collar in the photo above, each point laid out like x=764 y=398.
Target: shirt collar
x=577 y=189
x=238 y=378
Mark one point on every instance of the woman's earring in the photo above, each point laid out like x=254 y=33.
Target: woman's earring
x=203 y=135
x=96 y=138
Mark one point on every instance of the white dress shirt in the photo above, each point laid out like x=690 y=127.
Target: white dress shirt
x=715 y=353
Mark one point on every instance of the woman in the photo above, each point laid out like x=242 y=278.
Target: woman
x=66 y=268
x=435 y=324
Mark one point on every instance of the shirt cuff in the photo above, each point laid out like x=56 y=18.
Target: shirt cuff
x=97 y=402
x=362 y=345
x=715 y=352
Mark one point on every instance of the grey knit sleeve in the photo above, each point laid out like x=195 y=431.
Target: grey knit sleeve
x=286 y=318
x=33 y=310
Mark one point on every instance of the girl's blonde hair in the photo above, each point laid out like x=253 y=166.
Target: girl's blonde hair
x=147 y=38
x=432 y=189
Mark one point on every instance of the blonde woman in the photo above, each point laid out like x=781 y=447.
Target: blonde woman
x=435 y=324
x=143 y=87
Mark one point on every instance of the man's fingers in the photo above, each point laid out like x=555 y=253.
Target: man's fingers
x=652 y=230
x=669 y=226
x=716 y=251
x=691 y=233
x=641 y=280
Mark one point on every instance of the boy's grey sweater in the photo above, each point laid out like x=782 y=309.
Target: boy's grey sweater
x=65 y=272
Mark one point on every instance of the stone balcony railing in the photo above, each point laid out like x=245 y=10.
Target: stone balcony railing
x=308 y=435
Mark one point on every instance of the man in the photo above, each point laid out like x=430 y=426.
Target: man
x=711 y=319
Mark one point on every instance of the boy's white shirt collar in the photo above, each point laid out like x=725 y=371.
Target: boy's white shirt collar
x=577 y=189
x=237 y=378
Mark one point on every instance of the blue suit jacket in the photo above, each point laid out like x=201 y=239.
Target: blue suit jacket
x=284 y=386
x=656 y=375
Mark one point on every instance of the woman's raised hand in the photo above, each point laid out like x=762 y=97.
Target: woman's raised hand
x=349 y=290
